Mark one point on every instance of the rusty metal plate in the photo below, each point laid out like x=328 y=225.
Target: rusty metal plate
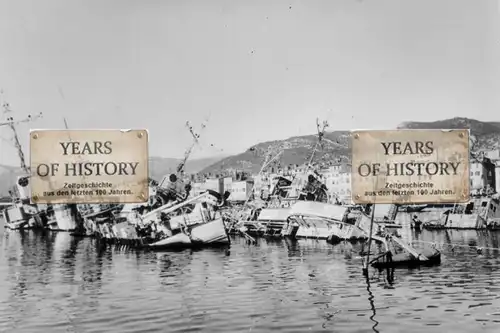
x=410 y=166
x=89 y=166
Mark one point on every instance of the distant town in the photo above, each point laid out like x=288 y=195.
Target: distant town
x=484 y=178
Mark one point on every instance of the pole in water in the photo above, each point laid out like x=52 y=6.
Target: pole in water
x=367 y=261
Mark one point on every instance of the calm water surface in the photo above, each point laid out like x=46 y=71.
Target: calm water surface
x=55 y=283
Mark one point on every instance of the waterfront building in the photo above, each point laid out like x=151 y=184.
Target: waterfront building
x=198 y=188
x=482 y=173
x=261 y=181
x=241 y=190
x=337 y=178
x=494 y=156
x=497 y=176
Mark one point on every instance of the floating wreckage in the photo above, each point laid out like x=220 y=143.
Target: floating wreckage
x=180 y=223
x=20 y=213
x=195 y=226
x=63 y=217
x=170 y=219
x=268 y=216
x=395 y=251
x=212 y=233
x=335 y=223
x=398 y=254
x=481 y=212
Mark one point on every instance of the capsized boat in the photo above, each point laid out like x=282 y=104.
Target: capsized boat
x=183 y=226
x=211 y=233
x=268 y=215
x=413 y=208
x=20 y=213
x=320 y=220
x=13 y=216
x=20 y=216
x=474 y=214
x=92 y=219
x=64 y=218
x=399 y=254
x=409 y=260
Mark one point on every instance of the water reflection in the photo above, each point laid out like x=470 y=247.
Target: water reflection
x=371 y=299
x=54 y=282
x=483 y=242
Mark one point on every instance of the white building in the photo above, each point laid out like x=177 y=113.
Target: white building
x=241 y=190
x=197 y=189
x=493 y=154
x=260 y=182
x=227 y=183
x=200 y=187
x=497 y=176
x=337 y=179
x=482 y=173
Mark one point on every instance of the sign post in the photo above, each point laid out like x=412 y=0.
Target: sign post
x=409 y=167
x=89 y=166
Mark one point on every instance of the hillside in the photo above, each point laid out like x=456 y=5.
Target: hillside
x=487 y=133
x=297 y=150
x=158 y=167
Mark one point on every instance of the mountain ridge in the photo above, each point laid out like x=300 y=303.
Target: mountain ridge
x=295 y=150
x=336 y=145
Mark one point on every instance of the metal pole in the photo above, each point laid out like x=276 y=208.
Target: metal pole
x=365 y=269
x=19 y=148
x=266 y=163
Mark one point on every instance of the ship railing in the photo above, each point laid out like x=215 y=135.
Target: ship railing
x=169 y=207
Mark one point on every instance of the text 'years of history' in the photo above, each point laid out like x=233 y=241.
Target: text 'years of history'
x=89 y=166
x=110 y=168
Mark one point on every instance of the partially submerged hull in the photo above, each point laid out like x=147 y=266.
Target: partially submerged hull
x=15 y=218
x=493 y=224
x=17 y=225
x=414 y=208
x=320 y=221
x=64 y=218
x=409 y=260
x=212 y=233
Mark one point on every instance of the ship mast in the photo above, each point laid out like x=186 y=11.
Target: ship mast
x=321 y=132
x=319 y=143
x=196 y=137
x=11 y=123
x=321 y=129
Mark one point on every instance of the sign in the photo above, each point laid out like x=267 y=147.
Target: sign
x=410 y=166
x=89 y=166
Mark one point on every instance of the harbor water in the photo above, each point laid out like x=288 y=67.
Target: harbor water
x=53 y=282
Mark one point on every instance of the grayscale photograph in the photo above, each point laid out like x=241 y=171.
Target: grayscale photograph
x=250 y=166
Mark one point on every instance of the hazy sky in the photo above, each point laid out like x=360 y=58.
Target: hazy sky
x=262 y=70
